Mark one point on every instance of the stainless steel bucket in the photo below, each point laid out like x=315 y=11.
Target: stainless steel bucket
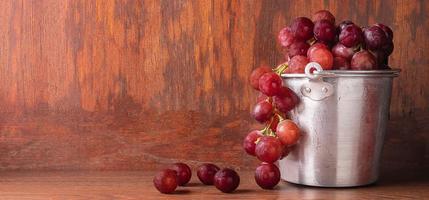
x=342 y=116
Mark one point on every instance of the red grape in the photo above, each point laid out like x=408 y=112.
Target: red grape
x=339 y=50
x=381 y=59
x=375 y=38
x=262 y=97
x=249 y=142
x=286 y=37
x=165 y=181
x=315 y=46
x=343 y=24
x=263 y=111
x=388 y=48
x=302 y=28
x=387 y=30
x=323 y=57
x=341 y=63
x=206 y=173
x=286 y=100
x=363 y=60
x=298 y=48
x=268 y=149
x=288 y=132
x=267 y=175
x=328 y=44
x=323 y=15
x=325 y=31
x=226 y=180
x=183 y=173
x=256 y=74
x=285 y=152
x=270 y=84
x=297 y=64
x=351 y=36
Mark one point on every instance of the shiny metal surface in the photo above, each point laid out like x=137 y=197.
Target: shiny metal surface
x=342 y=133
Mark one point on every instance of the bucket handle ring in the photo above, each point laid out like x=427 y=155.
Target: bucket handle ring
x=316 y=89
x=318 y=71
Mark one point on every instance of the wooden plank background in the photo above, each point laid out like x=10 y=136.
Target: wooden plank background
x=127 y=84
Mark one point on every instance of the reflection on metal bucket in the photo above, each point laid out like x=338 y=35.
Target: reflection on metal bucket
x=342 y=116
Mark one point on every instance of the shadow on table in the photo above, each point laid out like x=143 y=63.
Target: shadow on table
x=402 y=177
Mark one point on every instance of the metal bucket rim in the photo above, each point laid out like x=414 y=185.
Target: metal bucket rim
x=349 y=73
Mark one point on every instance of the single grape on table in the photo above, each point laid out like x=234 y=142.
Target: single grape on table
x=165 y=181
x=183 y=171
x=267 y=175
x=206 y=173
x=226 y=180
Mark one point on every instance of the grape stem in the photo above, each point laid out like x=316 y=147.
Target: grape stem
x=280 y=117
x=269 y=99
x=358 y=48
x=281 y=68
x=267 y=130
x=311 y=41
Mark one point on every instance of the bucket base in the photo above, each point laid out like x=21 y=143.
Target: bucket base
x=332 y=186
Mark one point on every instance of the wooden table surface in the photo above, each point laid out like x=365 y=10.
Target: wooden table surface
x=138 y=185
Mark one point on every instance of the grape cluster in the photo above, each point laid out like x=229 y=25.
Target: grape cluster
x=280 y=134
x=345 y=46
x=179 y=174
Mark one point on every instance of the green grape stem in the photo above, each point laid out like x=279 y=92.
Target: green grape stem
x=281 y=68
x=280 y=117
x=267 y=130
x=358 y=48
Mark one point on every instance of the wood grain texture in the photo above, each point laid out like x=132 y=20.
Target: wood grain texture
x=127 y=84
x=138 y=185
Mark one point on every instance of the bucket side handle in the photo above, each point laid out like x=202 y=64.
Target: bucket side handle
x=316 y=89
